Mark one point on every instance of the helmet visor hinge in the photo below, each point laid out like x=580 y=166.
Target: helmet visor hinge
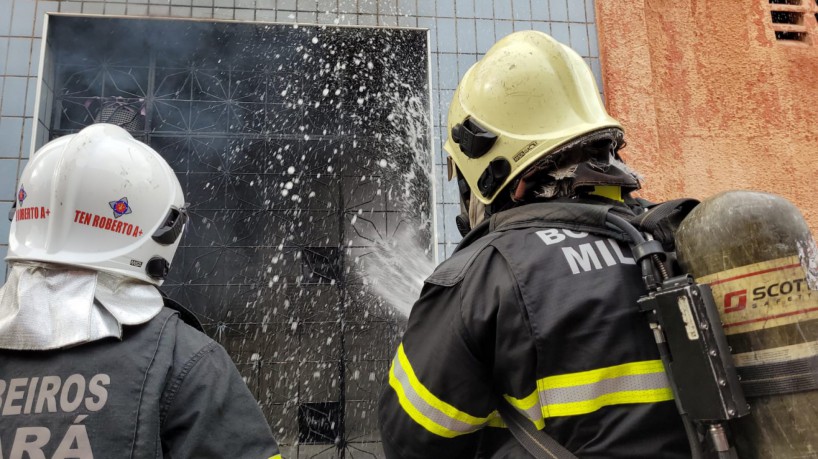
x=494 y=176
x=474 y=140
x=173 y=225
x=157 y=268
x=12 y=210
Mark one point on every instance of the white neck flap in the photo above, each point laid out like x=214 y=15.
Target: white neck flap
x=44 y=306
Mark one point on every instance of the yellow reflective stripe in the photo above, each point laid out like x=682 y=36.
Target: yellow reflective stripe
x=585 y=392
x=616 y=398
x=593 y=376
x=277 y=456
x=581 y=393
x=496 y=421
x=525 y=403
x=414 y=413
x=450 y=411
x=433 y=414
x=529 y=407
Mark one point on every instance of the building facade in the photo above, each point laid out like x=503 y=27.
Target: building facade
x=713 y=96
x=307 y=135
x=716 y=95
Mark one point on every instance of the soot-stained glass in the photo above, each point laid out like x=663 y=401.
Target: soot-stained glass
x=305 y=154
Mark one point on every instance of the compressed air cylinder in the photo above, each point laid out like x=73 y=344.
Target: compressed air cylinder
x=757 y=254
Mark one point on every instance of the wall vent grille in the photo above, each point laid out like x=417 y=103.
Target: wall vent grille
x=791 y=21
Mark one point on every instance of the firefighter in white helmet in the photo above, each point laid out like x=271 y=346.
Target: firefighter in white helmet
x=92 y=363
x=534 y=317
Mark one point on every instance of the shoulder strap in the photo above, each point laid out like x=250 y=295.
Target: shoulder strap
x=537 y=442
x=661 y=220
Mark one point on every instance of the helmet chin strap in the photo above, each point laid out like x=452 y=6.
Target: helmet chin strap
x=477 y=211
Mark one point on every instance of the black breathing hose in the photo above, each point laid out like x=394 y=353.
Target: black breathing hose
x=619 y=223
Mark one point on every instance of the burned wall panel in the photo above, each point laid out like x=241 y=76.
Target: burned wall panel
x=291 y=144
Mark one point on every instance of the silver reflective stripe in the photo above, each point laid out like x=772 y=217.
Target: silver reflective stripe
x=580 y=393
x=426 y=409
x=593 y=391
x=621 y=390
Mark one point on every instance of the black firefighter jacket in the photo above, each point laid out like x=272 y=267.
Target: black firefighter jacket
x=164 y=391
x=540 y=312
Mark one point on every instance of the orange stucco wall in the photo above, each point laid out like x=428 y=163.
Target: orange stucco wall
x=710 y=100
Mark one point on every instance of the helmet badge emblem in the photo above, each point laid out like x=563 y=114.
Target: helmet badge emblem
x=21 y=195
x=120 y=207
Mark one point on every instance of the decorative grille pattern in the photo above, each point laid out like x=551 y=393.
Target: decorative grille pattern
x=298 y=149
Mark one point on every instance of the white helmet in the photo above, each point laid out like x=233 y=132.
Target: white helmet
x=102 y=200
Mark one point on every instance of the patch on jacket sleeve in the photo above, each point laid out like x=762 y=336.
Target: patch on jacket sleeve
x=453 y=270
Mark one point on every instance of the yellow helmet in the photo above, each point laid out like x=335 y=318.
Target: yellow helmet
x=528 y=96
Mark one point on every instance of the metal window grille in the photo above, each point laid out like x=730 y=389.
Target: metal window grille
x=279 y=136
x=319 y=423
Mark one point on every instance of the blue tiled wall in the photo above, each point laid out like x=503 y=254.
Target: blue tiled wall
x=461 y=30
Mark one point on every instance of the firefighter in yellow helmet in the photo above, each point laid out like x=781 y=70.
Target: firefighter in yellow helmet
x=533 y=321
